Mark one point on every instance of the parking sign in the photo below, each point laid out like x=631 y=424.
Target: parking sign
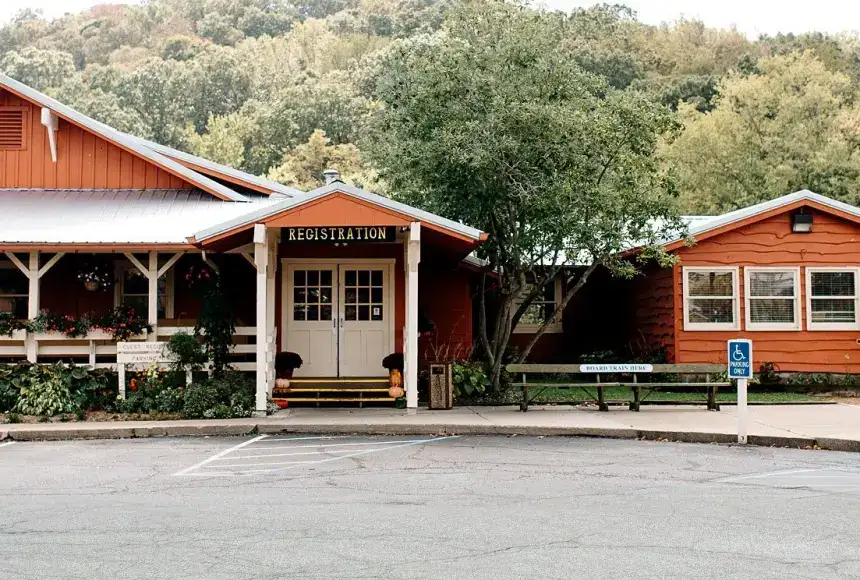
x=740 y=360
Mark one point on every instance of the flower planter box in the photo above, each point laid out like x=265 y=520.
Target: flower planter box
x=17 y=335
x=91 y=335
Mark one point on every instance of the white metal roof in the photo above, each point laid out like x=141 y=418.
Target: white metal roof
x=121 y=138
x=704 y=224
x=328 y=189
x=112 y=216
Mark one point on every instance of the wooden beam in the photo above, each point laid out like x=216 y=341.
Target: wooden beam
x=18 y=263
x=143 y=269
x=50 y=263
x=163 y=270
x=250 y=257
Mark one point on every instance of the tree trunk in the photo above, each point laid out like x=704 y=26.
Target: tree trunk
x=571 y=292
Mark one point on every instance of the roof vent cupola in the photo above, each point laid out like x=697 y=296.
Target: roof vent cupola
x=331 y=175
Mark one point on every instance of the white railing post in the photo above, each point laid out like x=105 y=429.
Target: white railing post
x=413 y=258
x=33 y=305
x=261 y=258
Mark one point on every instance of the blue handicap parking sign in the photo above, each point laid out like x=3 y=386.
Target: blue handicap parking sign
x=740 y=363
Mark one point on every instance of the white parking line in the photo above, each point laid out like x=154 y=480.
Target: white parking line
x=356 y=454
x=230 y=462
x=7 y=443
x=218 y=456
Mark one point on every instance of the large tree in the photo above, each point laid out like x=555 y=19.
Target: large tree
x=791 y=125
x=493 y=122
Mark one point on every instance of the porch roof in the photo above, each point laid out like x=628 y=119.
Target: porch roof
x=115 y=216
x=264 y=213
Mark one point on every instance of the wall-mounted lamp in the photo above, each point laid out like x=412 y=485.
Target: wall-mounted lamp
x=801 y=223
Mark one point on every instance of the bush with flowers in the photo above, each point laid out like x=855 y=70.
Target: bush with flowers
x=71 y=326
x=122 y=323
x=152 y=391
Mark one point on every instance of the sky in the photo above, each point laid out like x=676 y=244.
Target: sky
x=752 y=17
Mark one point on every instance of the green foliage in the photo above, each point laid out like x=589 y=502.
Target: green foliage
x=231 y=395
x=9 y=324
x=792 y=125
x=53 y=389
x=216 y=322
x=152 y=392
x=469 y=378
x=187 y=351
x=122 y=323
x=495 y=123
x=71 y=326
x=43 y=391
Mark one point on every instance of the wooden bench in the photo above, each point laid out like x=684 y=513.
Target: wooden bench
x=619 y=379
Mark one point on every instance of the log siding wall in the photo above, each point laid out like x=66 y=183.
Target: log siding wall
x=834 y=242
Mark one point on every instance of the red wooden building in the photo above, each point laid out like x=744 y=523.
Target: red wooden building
x=344 y=277
x=337 y=274
x=783 y=273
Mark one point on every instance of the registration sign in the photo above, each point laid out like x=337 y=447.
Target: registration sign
x=619 y=368
x=141 y=352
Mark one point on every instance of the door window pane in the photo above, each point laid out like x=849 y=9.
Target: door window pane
x=315 y=289
x=363 y=295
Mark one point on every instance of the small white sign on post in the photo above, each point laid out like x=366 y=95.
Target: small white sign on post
x=138 y=353
x=619 y=368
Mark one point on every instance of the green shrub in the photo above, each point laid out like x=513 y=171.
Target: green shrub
x=469 y=378
x=44 y=391
x=231 y=395
x=153 y=391
x=187 y=351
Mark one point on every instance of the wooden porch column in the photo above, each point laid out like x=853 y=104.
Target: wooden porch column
x=273 y=239
x=413 y=258
x=152 y=302
x=261 y=259
x=33 y=303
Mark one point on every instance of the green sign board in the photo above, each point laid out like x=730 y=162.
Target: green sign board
x=338 y=234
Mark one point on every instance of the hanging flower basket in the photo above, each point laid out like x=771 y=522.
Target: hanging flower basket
x=96 y=272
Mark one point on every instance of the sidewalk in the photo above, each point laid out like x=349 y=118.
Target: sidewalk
x=834 y=427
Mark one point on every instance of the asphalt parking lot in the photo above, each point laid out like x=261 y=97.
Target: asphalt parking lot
x=420 y=507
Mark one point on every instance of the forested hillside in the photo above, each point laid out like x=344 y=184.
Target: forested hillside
x=286 y=89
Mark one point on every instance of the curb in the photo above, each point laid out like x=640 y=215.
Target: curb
x=216 y=429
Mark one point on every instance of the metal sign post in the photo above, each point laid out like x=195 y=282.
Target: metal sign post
x=740 y=367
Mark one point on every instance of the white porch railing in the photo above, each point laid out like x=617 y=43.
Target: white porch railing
x=99 y=344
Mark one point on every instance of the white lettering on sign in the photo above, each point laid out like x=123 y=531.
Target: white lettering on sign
x=620 y=368
x=141 y=352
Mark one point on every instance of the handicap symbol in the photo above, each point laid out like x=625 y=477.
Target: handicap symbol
x=737 y=355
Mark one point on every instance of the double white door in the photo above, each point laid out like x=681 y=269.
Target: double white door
x=339 y=318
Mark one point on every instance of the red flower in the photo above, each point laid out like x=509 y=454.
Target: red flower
x=132 y=384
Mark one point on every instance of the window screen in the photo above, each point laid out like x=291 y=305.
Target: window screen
x=710 y=297
x=772 y=297
x=833 y=297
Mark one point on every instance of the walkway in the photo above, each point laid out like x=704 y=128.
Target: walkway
x=834 y=426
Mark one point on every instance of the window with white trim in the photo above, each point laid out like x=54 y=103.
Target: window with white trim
x=14 y=290
x=542 y=309
x=772 y=298
x=711 y=298
x=832 y=298
x=133 y=290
